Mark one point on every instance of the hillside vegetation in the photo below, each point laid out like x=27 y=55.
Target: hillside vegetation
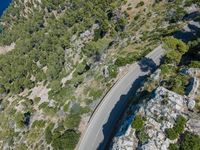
x=66 y=54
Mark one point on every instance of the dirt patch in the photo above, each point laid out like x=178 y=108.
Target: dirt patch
x=6 y=49
x=83 y=123
x=132 y=9
x=40 y=91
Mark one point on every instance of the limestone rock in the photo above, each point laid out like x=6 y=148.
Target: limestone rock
x=191 y=104
x=149 y=146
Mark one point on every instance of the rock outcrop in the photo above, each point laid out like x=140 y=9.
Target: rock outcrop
x=160 y=113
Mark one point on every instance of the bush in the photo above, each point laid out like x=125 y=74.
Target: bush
x=72 y=121
x=48 y=134
x=142 y=136
x=179 y=84
x=127 y=59
x=194 y=64
x=121 y=61
x=180 y=124
x=171 y=134
x=140 y=4
x=96 y=47
x=173 y=57
x=138 y=123
x=171 y=43
x=2 y=90
x=67 y=140
x=19 y=117
x=121 y=23
x=136 y=17
x=167 y=69
x=173 y=147
x=66 y=107
x=37 y=100
x=112 y=71
x=175 y=49
x=190 y=142
x=95 y=93
x=38 y=124
x=81 y=68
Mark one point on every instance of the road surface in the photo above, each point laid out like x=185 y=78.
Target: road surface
x=101 y=125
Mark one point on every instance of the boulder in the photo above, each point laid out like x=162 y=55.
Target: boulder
x=149 y=146
x=106 y=72
x=165 y=145
x=191 y=104
x=194 y=125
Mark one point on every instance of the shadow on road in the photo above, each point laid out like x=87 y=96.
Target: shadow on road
x=147 y=64
x=109 y=129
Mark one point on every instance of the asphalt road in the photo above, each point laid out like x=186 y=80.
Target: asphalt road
x=101 y=125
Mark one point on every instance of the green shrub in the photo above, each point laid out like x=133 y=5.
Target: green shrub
x=81 y=68
x=175 y=49
x=190 y=142
x=37 y=100
x=66 y=141
x=96 y=47
x=19 y=118
x=38 y=124
x=173 y=147
x=95 y=93
x=2 y=90
x=48 y=133
x=72 y=121
x=142 y=136
x=167 y=69
x=136 y=17
x=138 y=123
x=112 y=71
x=180 y=124
x=127 y=59
x=179 y=84
x=140 y=4
x=194 y=64
x=171 y=43
x=43 y=105
x=129 y=8
x=121 y=61
x=66 y=107
x=171 y=134
x=21 y=147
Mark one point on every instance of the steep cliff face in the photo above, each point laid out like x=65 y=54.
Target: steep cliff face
x=59 y=57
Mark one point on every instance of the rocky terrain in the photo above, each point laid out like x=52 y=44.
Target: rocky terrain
x=160 y=113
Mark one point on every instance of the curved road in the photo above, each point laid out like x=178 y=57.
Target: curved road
x=100 y=126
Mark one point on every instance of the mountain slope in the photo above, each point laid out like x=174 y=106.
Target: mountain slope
x=66 y=56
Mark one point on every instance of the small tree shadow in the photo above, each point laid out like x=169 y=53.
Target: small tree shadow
x=147 y=64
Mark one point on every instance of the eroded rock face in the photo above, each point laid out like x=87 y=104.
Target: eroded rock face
x=160 y=113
